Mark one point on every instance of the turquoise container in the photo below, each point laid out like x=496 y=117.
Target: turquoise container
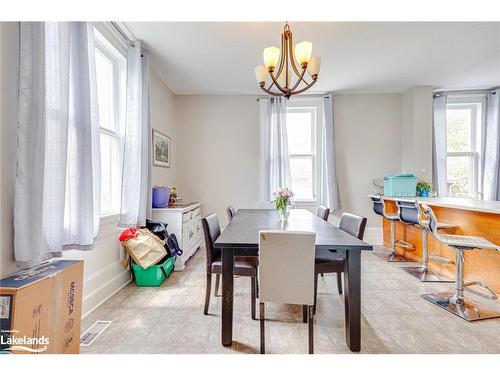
x=400 y=185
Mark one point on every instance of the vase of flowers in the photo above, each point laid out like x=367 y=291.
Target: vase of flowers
x=283 y=198
x=424 y=188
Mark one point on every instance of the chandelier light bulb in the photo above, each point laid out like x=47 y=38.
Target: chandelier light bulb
x=314 y=66
x=303 y=51
x=261 y=73
x=271 y=57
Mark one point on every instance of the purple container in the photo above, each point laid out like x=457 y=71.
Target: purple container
x=161 y=197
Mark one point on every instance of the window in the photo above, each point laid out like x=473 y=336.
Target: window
x=464 y=123
x=301 y=121
x=111 y=76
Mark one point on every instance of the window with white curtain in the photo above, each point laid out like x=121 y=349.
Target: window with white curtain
x=111 y=96
x=464 y=128
x=302 y=132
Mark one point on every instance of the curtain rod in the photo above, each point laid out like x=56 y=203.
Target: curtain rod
x=439 y=92
x=122 y=33
x=303 y=96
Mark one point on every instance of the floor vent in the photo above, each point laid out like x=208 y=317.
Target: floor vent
x=89 y=336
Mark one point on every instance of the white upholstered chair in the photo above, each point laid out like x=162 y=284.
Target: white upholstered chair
x=286 y=273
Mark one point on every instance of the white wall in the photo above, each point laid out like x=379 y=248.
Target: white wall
x=416 y=131
x=103 y=273
x=218 y=151
x=163 y=119
x=367 y=140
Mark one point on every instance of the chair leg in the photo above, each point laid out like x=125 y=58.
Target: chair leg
x=207 y=294
x=339 y=282
x=315 y=291
x=257 y=286
x=304 y=313
x=262 y=330
x=311 y=333
x=217 y=281
x=253 y=287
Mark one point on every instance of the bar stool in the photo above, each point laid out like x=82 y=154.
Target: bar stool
x=409 y=212
x=456 y=302
x=380 y=209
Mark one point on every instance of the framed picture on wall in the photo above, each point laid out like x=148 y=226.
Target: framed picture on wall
x=161 y=149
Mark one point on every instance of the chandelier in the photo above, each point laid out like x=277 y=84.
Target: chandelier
x=282 y=67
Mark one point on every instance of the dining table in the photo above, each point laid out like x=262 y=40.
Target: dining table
x=241 y=238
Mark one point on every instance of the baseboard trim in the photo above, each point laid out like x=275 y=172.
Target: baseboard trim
x=374 y=236
x=103 y=292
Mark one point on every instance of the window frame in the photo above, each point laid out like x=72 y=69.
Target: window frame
x=476 y=104
x=116 y=55
x=304 y=106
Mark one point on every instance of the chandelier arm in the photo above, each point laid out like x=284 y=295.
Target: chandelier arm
x=282 y=60
x=276 y=83
x=304 y=89
x=271 y=86
x=301 y=78
x=271 y=92
x=292 y=58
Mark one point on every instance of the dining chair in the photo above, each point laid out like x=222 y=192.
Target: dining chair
x=230 y=211
x=243 y=266
x=323 y=212
x=354 y=225
x=286 y=273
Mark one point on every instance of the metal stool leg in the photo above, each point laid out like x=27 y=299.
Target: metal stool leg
x=423 y=273
x=456 y=302
x=392 y=255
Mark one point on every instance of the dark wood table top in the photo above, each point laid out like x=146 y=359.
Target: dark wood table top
x=243 y=230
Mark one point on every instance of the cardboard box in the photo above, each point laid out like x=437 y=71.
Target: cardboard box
x=41 y=308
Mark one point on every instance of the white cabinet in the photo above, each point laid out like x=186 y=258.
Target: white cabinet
x=185 y=222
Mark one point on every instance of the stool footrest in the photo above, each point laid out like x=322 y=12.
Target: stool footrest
x=406 y=245
x=489 y=293
x=439 y=259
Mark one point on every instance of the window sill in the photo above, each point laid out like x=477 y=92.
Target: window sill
x=299 y=204
x=110 y=218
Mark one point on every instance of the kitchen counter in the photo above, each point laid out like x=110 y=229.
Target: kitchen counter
x=492 y=207
x=473 y=217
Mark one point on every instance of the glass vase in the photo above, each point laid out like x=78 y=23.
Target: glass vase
x=284 y=213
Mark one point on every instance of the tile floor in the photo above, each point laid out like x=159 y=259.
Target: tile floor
x=395 y=319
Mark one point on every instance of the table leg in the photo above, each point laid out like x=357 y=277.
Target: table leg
x=352 y=300
x=227 y=295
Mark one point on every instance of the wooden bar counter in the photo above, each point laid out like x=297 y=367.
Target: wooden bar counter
x=473 y=218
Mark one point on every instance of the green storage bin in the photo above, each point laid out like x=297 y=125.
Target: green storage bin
x=154 y=275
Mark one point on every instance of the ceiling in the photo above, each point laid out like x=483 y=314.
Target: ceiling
x=218 y=58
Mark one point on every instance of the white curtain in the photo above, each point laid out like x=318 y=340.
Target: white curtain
x=491 y=148
x=135 y=181
x=328 y=188
x=439 y=144
x=57 y=193
x=274 y=160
